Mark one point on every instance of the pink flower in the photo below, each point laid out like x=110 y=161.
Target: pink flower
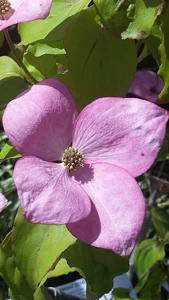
x=3 y=202
x=146 y=85
x=19 y=11
x=79 y=170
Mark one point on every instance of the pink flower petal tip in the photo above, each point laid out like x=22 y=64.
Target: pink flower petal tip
x=20 y=11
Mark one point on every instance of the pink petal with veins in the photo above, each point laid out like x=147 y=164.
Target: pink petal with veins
x=117 y=212
x=125 y=132
x=47 y=194
x=39 y=122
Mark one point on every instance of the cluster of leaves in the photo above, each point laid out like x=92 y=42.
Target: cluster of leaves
x=54 y=251
x=151 y=257
x=95 y=48
x=7 y=188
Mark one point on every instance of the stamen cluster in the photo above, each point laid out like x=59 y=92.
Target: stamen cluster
x=5 y=7
x=73 y=159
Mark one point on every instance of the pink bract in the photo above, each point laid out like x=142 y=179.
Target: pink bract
x=146 y=85
x=24 y=11
x=119 y=138
x=3 y=202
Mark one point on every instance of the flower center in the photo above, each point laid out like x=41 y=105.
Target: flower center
x=5 y=7
x=72 y=158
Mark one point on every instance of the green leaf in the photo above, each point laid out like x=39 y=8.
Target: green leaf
x=146 y=12
x=40 y=67
x=153 y=42
x=37 y=247
x=61 y=268
x=10 y=88
x=113 y=14
x=61 y=10
x=8 y=151
x=100 y=64
x=160 y=220
x=42 y=294
x=121 y=293
x=11 y=80
x=148 y=256
x=18 y=287
x=25 y=258
x=152 y=288
x=148 y=253
x=164 y=53
x=98 y=266
x=9 y=68
x=52 y=48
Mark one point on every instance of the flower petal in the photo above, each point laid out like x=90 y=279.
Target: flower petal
x=3 y=202
x=39 y=122
x=25 y=11
x=47 y=194
x=146 y=85
x=118 y=211
x=125 y=132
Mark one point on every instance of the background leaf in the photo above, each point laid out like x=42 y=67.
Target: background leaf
x=164 y=53
x=152 y=288
x=160 y=219
x=113 y=14
x=121 y=294
x=146 y=12
x=148 y=253
x=11 y=80
x=98 y=266
x=98 y=62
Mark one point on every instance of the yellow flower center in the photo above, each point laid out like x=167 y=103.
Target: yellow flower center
x=72 y=159
x=5 y=7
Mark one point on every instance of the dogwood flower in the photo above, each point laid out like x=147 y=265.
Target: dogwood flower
x=146 y=85
x=79 y=169
x=3 y=202
x=19 y=11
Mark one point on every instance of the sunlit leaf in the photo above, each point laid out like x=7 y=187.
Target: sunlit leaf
x=11 y=80
x=9 y=271
x=37 y=247
x=146 y=12
x=8 y=151
x=61 y=268
x=40 y=67
x=61 y=10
